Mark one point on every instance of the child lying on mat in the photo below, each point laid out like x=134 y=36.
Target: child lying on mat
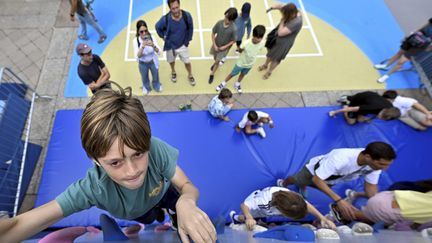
x=252 y=118
x=221 y=104
x=272 y=201
x=135 y=175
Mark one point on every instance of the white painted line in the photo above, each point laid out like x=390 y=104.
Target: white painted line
x=300 y=55
x=164 y=7
x=128 y=28
x=269 y=14
x=200 y=30
x=315 y=39
x=232 y=3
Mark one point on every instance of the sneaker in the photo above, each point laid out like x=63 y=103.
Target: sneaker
x=83 y=37
x=350 y=195
x=102 y=39
x=261 y=132
x=343 y=100
x=174 y=77
x=279 y=182
x=260 y=124
x=327 y=234
x=239 y=90
x=382 y=79
x=219 y=87
x=426 y=232
x=221 y=62
x=334 y=212
x=381 y=66
x=237 y=52
x=160 y=89
x=211 y=78
x=362 y=229
x=145 y=91
x=192 y=81
x=232 y=215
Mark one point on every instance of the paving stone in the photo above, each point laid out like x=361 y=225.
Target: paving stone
x=292 y=99
x=315 y=99
x=42 y=43
x=51 y=77
x=269 y=99
x=29 y=48
x=59 y=46
x=245 y=100
x=201 y=102
x=68 y=104
x=32 y=73
x=43 y=115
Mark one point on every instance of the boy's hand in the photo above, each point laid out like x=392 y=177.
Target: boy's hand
x=250 y=223
x=226 y=118
x=347 y=210
x=193 y=222
x=238 y=129
x=328 y=224
x=332 y=113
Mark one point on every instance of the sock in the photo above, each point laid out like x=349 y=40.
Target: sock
x=237 y=84
x=224 y=83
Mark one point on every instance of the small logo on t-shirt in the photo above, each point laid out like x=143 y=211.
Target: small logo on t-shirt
x=157 y=189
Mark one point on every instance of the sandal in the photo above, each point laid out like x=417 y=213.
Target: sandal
x=262 y=68
x=102 y=39
x=174 y=77
x=192 y=81
x=266 y=75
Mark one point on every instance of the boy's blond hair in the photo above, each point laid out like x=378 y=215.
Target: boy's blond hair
x=114 y=114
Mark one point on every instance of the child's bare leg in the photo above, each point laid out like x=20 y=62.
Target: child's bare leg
x=288 y=181
x=249 y=130
x=395 y=57
x=240 y=78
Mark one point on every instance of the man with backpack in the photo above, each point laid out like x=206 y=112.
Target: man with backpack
x=176 y=29
x=412 y=45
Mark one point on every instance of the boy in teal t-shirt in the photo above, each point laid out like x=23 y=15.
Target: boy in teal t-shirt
x=135 y=175
x=249 y=51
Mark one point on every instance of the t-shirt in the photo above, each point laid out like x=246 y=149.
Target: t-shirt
x=259 y=202
x=404 y=104
x=250 y=51
x=224 y=34
x=415 y=206
x=245 y=121
x=92 y=72
x=98 y=189
x=177 y=32
x=340 y=165
x=369 y=102
x=217 y=108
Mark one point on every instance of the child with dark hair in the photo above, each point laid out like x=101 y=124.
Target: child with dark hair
x=249 y=51
x=252 y=118
x=342 y=165
x=224 y=35
x=146 y=52
x=221 y=104
x=412 y=112
x=242 y=22
x=272 y=201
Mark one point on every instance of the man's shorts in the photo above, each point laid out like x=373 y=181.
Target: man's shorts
x=182 y=52
x=236 y=70
x=303 y=178
x=218 y=55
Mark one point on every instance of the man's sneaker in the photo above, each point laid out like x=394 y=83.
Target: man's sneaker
x=232 y=215
x=160 y=89
x=192 y=81
x=222 y=61
x=238 y=88
x=336 y=214
x=219 y=87
x=174 y=77
x=145 y=91
x=211 y=78
x=362 y=229
x=261 y=132
x=382 y=79
x=279 y=182
x=381 y=66
x=343 y=100
x=350 y=195
x=426 y=232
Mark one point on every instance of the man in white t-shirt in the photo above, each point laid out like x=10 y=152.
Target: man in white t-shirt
x=341 y=165
x=412 y=112
x=276 y=201
x=252 y=118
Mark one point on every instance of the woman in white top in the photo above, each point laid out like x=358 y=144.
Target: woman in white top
x=413 y=113
x=146 y=52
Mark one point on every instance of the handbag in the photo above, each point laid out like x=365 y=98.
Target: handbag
x=418 y=40
x=271 y=38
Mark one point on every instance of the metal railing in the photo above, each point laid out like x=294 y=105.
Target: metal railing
x=423 y=64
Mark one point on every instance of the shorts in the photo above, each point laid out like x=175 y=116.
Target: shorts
x=182 y=52
x=409 y=50
x=236 y=70
x=379 y=209
x=303 y=178
x=218 y=55
x=413 y=118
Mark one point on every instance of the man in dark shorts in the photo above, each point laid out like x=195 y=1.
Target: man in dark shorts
x=92 y=69
x=406 y=51
x=360 y=107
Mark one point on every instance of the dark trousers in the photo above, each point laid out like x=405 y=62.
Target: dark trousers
x=168 y=201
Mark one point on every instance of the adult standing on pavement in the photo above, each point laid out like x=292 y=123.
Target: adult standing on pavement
x=85 y=17
x=284 y=37
x=176 y=29
x=92 y=69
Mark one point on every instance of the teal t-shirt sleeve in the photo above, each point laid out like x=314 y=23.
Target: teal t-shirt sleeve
x=77 y=197
x=165 y=157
